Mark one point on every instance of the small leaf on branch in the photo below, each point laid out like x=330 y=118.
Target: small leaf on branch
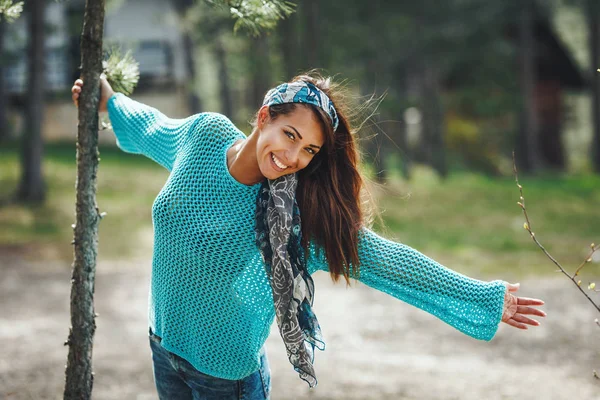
x=579 y=282
x=592 y=286
x=525 y=226
x=520 y=204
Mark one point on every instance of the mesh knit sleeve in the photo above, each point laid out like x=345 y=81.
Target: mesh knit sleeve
x=472 y=306
x=141 y=129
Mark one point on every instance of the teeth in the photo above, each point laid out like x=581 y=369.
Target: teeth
x=276 y=161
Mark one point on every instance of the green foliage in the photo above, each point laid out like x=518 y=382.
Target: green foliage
x=256 y=15
x=9 y=10
x=122 y=72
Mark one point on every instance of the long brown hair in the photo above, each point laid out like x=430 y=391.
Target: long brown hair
x=329 y=188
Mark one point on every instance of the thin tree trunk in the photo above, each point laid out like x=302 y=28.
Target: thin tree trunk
x=288 y=45
x=79 y=376
x=32 y=187
x=224 y=83
x=527 y=140
x=4 y=132
x=401 y=126
x=594 y=20
x=311 y=33
x=434 y=119
x=194 y=102
x=260 y=67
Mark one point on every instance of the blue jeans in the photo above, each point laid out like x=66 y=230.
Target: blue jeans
x=177 y=379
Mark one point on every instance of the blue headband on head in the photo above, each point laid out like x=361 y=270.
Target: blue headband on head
x=302 y=92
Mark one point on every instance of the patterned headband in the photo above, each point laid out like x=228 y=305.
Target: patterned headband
x=302 y=92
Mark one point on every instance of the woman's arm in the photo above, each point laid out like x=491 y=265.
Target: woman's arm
x=472 y=306
x=141 y=129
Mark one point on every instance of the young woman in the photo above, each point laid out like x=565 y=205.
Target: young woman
x=243 y=221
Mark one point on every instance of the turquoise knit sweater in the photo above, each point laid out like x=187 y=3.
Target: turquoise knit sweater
x=210 y=299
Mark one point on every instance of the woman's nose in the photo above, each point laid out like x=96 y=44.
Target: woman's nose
x=291 y=157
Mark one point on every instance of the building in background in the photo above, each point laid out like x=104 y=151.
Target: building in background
x=149 y=28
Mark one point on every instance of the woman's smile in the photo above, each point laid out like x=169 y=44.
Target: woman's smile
x=278 y=164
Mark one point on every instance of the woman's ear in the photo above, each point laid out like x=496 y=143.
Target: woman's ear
x=263 y=117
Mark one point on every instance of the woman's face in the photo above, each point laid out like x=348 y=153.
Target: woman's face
x=288 y=143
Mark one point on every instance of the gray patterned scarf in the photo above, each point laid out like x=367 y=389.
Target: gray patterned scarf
x=278 y=236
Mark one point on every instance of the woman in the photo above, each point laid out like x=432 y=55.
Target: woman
x=230 y=253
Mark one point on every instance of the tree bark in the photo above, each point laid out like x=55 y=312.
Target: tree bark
x=434 y=121
x=79 y=375
x=311 y=34
x=32 y=187
x=594 y=21
x=527 y=139
x=288 y=44
x=194 y=102
x=224 y=83
x=4 y=129
x=260 y=67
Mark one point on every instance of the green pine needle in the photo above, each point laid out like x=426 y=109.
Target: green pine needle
x=256 y=15
x=122 y=72
x=9 y=10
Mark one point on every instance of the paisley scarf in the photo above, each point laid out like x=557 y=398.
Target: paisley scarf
x=278 y=236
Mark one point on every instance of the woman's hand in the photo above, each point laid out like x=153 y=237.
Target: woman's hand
x=515 y=309
x=106 y=92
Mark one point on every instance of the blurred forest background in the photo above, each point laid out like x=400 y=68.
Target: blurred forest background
x=466 y=82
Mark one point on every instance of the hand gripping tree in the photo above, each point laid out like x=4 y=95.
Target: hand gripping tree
x=122 y=74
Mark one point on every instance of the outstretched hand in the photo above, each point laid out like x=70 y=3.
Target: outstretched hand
x=515 y=308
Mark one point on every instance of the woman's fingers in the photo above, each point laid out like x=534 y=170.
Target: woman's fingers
x=525 y=320
x=526 y=301
x=75 y=90
x=514 y=323
x=513 y=287
x=530 y=310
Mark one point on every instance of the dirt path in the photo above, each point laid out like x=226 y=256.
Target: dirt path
x=377 y=346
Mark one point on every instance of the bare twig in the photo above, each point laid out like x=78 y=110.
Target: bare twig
x=527 y=226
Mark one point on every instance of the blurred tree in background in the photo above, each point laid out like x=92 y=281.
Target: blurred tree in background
x=465 y=81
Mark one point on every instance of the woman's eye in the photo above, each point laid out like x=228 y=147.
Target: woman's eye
x=310 y=151
x=289 y=134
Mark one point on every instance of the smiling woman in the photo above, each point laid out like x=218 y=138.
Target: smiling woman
x=244 y=221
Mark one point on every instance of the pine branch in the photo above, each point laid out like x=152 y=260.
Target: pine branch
x=256 y=15
x=9 y=10
x=122 y=72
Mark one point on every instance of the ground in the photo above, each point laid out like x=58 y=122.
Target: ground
x=377 y=347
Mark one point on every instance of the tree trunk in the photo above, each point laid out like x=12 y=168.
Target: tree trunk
x=434 y=121
x=194 y=102
x=594 y=21
x=527 y=139
x=4 y=129
x=79 y=375
x=288 y=44
x=401 y=127
x=226 y=103
x=260 y=67
x=312 y=38
x=32 y=187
